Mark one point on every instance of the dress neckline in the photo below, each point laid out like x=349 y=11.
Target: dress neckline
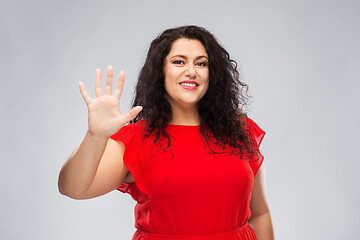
x=181 y=125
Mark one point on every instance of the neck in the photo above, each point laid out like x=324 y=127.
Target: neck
x=184 y=115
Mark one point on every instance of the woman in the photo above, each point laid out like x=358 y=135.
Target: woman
x=190 y=156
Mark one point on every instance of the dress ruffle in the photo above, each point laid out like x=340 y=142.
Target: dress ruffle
x=131 y=136
x=257 y=134
x=255 y=131
x=133 y=190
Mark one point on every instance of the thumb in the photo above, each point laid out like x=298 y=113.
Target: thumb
x=132 y=113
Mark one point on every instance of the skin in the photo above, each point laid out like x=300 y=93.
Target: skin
x=96 y=167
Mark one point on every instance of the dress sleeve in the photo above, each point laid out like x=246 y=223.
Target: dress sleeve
x=257 y=134
x=130 y=136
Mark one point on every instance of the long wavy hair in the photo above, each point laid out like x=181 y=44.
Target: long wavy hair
x=220 y=109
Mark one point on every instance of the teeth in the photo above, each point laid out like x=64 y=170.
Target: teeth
x=188 y=84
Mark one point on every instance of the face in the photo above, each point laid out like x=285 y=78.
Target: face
x=186 y=73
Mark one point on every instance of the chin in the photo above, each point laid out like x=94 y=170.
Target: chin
x=188 y=104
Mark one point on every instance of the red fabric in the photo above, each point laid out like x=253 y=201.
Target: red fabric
x=185 y=192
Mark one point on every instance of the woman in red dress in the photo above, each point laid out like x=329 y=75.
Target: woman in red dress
x=190 y=156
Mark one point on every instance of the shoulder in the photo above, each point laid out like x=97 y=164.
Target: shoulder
x=255 y=131
x=252 y=129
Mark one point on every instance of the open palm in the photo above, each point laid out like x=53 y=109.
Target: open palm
x=104 y=115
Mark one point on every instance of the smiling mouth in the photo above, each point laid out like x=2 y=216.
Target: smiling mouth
x=189 y=84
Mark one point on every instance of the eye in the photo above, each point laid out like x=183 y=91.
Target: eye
x=178 y=62
x=201 y=64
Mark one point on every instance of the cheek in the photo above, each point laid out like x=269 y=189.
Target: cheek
x=170 y=75
x=206 y=76
x=168 y=83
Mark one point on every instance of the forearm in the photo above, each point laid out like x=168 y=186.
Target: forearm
x=262 y=226
x=80 y=169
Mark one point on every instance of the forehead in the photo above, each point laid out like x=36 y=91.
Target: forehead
x=187 y=47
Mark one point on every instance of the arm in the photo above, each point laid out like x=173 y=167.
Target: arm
x=260 y=220
x=96 y=167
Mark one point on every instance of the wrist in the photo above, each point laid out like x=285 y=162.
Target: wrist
x=96 y=137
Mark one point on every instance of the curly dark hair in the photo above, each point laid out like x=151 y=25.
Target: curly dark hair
x=220 y=108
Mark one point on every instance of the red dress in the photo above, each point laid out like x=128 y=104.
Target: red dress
x=185 y=192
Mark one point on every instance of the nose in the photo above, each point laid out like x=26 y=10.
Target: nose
x=190 y=72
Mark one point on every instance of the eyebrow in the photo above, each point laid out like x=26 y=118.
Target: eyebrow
x=185 y=57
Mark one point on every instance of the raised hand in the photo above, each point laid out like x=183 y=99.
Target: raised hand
x=104 y=115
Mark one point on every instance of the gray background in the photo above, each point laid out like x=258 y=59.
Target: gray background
x=300 y=58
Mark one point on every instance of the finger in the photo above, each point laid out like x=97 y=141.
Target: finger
x=98 y=83
x=132 y=113
x=84 y=94
x=120 y=85
x=109 y=80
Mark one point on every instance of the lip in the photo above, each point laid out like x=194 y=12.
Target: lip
x=189 y=87
x=189 y=82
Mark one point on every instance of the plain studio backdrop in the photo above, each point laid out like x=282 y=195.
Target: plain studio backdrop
x=301 y=60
